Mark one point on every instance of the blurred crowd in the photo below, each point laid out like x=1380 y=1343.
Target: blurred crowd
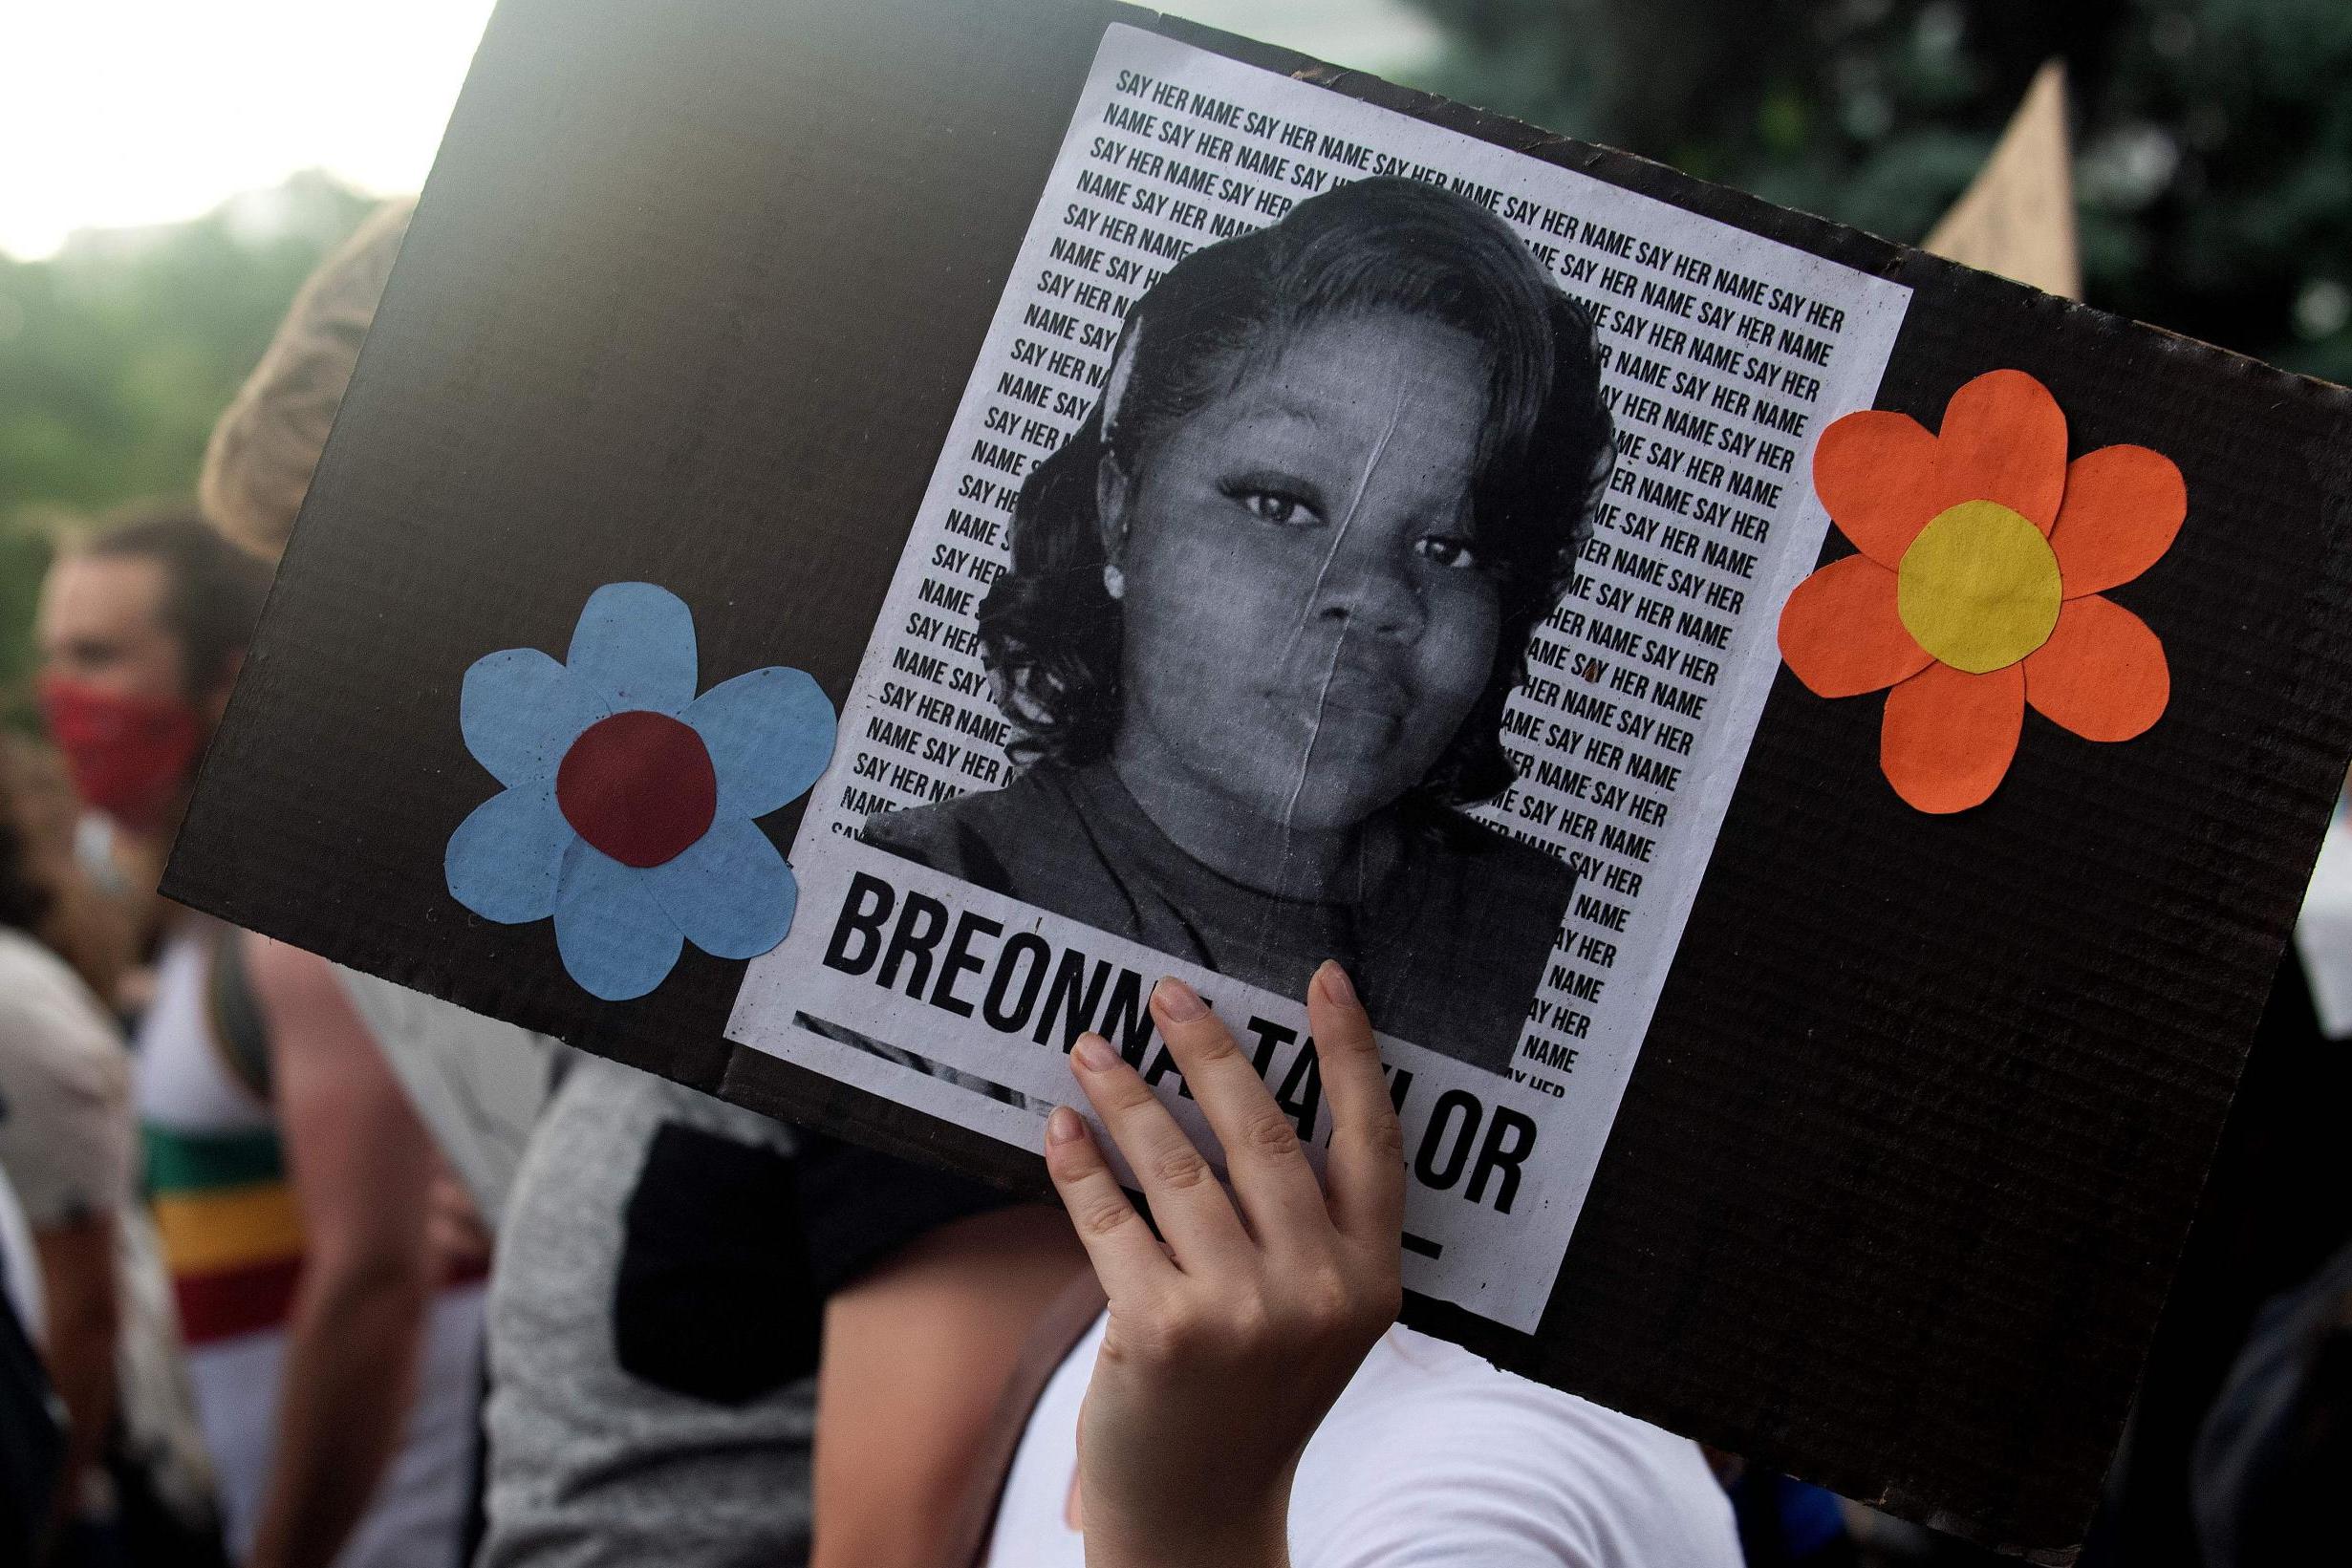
x=258 y=1311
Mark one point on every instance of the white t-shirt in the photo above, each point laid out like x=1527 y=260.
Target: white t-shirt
x=66 y=1131
x=1430 y=1456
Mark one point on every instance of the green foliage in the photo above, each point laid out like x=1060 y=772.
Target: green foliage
x=116 y=355
x=2214 y=137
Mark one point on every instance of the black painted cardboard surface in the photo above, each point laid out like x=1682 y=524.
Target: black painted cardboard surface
x=1903 y=1169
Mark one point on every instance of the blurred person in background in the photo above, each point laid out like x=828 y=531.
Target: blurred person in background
x=66 y=1143
x=333 y=1365
x=138 y=1486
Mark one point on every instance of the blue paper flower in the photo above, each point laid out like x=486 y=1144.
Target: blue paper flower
x=629 y=807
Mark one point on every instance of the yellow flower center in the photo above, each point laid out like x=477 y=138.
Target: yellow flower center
x=1979 y=588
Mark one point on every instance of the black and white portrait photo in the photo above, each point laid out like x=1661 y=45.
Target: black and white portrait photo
x=1265 y=607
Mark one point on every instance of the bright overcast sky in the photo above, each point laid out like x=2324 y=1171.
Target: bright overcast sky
x=118 y=113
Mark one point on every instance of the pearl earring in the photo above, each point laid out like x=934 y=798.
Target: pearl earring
x=1114 y=582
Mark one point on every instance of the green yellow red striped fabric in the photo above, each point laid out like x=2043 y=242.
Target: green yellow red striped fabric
x=233 y=1236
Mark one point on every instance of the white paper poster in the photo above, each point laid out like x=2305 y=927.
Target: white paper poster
x=1238 y=629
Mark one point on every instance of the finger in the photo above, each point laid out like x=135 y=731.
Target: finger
x=1126 y=1255
x=1277 y=1187
x=1366 y=1171
x=1187 y=1201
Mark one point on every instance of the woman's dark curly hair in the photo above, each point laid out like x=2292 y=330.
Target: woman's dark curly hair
x=1050 y=629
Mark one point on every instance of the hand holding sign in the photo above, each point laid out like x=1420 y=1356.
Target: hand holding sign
x=1225 y=1348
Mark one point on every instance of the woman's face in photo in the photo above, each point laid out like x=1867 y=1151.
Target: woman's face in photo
x=1306 y=616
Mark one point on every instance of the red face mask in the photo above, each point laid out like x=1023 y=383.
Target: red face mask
x=129 y=755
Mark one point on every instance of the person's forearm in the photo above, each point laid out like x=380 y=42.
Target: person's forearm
x=82 y=1371
x=78 y=1271
x=1256 y=1537
x=916 y=1352
x=348 y=1381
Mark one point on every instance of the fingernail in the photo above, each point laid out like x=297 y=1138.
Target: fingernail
x=1095 y=1053
x=1064 y=1127
x=1179 y=1000
x=1335 y=983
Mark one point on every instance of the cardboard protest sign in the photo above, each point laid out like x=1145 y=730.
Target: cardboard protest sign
x=864 y=535
x=2017 y=217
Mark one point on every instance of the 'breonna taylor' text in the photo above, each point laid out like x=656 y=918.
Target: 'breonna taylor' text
x=1022 y=984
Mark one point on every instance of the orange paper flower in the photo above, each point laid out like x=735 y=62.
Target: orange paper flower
x=1977 y=590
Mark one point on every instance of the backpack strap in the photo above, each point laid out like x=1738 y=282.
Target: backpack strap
x=235 y=1014
x=1058 y=1331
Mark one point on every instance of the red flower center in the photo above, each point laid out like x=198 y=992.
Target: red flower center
x=639 y=787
